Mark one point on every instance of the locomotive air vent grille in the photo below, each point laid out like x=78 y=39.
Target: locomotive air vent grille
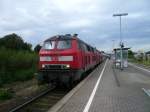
x=53 y=67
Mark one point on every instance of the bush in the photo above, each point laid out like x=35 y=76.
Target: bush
x=23 y=75
x=5 y=94
x=16 y=65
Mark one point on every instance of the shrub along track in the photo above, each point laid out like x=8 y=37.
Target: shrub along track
x=43 y=101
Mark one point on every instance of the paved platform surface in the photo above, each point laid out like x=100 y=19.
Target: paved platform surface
x=118 y=91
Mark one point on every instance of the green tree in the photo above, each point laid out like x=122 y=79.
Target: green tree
x=130 y=54
x=27 y=46
x=15 y=42
x=17 y=62
x=37 y=48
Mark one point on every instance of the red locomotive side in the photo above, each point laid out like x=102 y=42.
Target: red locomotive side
x=64 y=58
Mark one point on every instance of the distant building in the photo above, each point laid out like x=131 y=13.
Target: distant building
x=142 y=55
x=139 y=55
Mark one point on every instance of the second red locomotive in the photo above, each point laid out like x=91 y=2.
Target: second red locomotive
x=64 y=59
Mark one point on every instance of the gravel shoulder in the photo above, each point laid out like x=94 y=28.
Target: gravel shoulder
x=22 y=91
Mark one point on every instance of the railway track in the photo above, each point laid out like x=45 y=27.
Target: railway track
x=43 y=101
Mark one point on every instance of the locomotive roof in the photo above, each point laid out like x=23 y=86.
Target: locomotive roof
x=66 y=37
x=60 y=37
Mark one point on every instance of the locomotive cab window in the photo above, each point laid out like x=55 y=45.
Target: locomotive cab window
x=64 y=44
x=49 y=45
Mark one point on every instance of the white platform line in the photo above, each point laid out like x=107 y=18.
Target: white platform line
x=87 y=107
x=146 y=91
x=64 y=100
x=139 y=67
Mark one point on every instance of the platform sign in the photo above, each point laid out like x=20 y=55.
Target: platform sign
x=124 y=56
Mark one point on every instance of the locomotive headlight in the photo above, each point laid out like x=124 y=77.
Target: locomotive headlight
x=67 y=66
x=45 y=58
x=43 y=65
x=65 y=58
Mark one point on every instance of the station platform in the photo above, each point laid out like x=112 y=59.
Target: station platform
x=108 y=89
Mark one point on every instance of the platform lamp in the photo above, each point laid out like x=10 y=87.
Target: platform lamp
x=121 y=43
x=113 y=44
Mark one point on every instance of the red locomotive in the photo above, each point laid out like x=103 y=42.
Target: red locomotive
x=64 y=59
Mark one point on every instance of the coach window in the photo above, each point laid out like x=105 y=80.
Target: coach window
x=88 y=48
x=93 y=50
x=84 y=46
x=93 y=58
x=80 y=46
x=86 y=60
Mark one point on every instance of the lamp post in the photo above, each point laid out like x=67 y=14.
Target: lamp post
x=121 y=43
x=113 y=44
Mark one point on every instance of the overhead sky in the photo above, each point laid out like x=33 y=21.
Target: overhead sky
x=36 y=20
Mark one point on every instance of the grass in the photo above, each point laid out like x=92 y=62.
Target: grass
x=144 y=62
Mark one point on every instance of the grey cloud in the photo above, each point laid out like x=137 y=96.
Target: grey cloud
x=36 y=20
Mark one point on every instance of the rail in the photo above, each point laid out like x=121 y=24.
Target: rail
x=32 y=99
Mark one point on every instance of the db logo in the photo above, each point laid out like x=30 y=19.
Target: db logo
x=54 y=58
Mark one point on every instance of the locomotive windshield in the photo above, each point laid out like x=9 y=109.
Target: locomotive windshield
x=49 y=45
x=64 y=44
